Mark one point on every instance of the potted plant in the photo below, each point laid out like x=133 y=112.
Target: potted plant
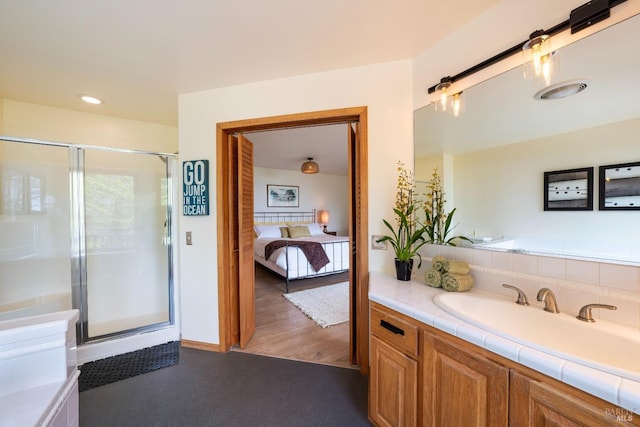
x=407 y=238
x=437 y=225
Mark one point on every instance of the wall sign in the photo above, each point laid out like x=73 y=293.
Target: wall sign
x=195 y=187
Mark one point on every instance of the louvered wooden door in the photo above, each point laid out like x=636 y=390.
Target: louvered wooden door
x=246 y=272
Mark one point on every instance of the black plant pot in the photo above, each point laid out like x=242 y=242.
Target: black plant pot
x=403 y=269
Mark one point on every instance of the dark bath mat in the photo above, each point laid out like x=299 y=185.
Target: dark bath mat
x=116 y=368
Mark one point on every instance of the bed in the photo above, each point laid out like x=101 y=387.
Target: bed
x=306 y=252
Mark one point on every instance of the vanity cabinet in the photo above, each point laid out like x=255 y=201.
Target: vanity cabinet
x=393 y=387
x=539 y=403
x=423 y=376
x=460 y=388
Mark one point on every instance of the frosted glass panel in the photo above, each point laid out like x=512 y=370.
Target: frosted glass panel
x=126 y=245
x=35 y=274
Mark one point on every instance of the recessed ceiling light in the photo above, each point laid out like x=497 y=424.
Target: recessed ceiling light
x=91 y=99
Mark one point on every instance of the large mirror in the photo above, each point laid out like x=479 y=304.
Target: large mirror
x=493 y=158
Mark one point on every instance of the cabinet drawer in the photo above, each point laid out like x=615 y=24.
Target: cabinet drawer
x=396 y=331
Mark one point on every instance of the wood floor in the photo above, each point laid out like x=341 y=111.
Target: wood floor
x=283 y=331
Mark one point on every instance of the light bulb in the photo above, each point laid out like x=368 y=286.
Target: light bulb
x=536 y=57
x=545 y=68
x=443 y=99
x=456 y=104
x=443 y=103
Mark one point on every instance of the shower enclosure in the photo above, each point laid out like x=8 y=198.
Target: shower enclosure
x=89 y=228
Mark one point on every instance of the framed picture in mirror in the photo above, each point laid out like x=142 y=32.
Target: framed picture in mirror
x=568 y=190
x=620 y=187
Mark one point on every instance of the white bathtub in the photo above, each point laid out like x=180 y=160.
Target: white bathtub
x=38 y=370
x=34 y=306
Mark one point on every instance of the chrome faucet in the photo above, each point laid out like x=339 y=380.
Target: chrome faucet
x=522 y=298
x=585 y=312
x=546 y=295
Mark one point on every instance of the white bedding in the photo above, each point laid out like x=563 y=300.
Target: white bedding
x=338 y=254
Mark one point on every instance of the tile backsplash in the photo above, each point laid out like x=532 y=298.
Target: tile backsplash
x=575 y=283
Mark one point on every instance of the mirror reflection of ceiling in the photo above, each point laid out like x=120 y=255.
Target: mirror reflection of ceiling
x=503 y=110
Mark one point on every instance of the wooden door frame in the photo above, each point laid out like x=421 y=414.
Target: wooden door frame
x=227 y=290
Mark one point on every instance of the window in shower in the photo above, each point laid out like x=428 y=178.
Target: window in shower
x=22 y=192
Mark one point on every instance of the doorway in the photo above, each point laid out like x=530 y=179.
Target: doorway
x=230 y=308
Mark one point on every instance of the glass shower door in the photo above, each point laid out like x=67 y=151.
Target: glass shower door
x=126 y=242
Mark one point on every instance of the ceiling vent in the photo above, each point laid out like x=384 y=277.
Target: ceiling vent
x=562 y=89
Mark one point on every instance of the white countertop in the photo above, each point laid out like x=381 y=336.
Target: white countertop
x=415 y=299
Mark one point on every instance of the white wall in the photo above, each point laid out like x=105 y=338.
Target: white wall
x=25 y=120
x=317 y=191
x=384 y=88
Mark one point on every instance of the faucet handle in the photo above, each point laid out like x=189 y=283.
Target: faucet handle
x=585 y=312
x=522 y=298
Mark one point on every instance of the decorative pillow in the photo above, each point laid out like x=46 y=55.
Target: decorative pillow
x=264 y=231
x=284 y=232
x=315 y=229
x=299 y=231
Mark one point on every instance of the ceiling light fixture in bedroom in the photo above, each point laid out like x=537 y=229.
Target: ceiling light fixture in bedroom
x=310 y=166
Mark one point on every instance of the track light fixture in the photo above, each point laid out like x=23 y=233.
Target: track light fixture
x=580 y=18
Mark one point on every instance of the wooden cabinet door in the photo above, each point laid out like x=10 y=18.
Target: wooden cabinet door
x=461 y=388
x=534 y=403
x=393 y=394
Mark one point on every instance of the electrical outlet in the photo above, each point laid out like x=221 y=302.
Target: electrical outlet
x=189 y=242
x=381 y=246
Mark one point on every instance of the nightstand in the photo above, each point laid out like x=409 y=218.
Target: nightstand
x=332 y=233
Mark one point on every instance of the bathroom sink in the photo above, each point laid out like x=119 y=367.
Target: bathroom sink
x=602 y=345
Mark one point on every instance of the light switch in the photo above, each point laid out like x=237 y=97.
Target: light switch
x=189 y=238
